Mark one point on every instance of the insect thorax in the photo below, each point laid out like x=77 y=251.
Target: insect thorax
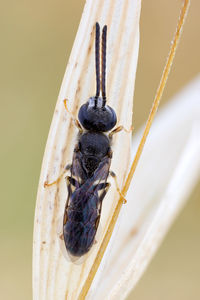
x=94 y=146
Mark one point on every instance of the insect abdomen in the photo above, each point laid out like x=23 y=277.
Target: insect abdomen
x=80 y=228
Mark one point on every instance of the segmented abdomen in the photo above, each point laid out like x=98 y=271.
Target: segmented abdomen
x=80 y=227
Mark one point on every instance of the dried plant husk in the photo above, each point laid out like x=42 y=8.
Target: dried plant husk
x=166 y=174
x=54 y=277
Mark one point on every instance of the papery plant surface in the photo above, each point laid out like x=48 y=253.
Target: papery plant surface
x=155 y=195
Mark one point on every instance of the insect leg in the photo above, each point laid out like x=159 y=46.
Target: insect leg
x=72 y=181
x=117 y=186
x=76 y=122
x=46 y=184
x=120 y=128
x=102 y=186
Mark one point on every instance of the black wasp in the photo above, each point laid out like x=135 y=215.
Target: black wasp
x=87 y=185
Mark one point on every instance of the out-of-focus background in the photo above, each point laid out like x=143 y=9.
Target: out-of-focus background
x=36 y=40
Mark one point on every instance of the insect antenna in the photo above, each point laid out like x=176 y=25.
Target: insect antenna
x=97 y=61
x=103 y=65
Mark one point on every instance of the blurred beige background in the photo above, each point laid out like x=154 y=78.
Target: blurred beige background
x=36 y=39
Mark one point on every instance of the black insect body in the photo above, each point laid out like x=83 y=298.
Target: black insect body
x=87 y=185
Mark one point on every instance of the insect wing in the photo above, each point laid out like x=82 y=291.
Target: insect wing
x=77 y=174
x=74 y=181
x=77 y=171
x=98 y=185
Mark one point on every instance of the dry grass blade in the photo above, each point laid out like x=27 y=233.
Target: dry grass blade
x=53 y=276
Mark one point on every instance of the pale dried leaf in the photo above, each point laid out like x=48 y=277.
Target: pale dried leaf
x=53 y=276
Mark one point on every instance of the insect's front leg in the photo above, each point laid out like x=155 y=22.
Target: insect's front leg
x=67 y=168
x=120 y=128
x=76 y=122
x=111 y=173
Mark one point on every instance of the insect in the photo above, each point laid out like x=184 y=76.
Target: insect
x=90 y=168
